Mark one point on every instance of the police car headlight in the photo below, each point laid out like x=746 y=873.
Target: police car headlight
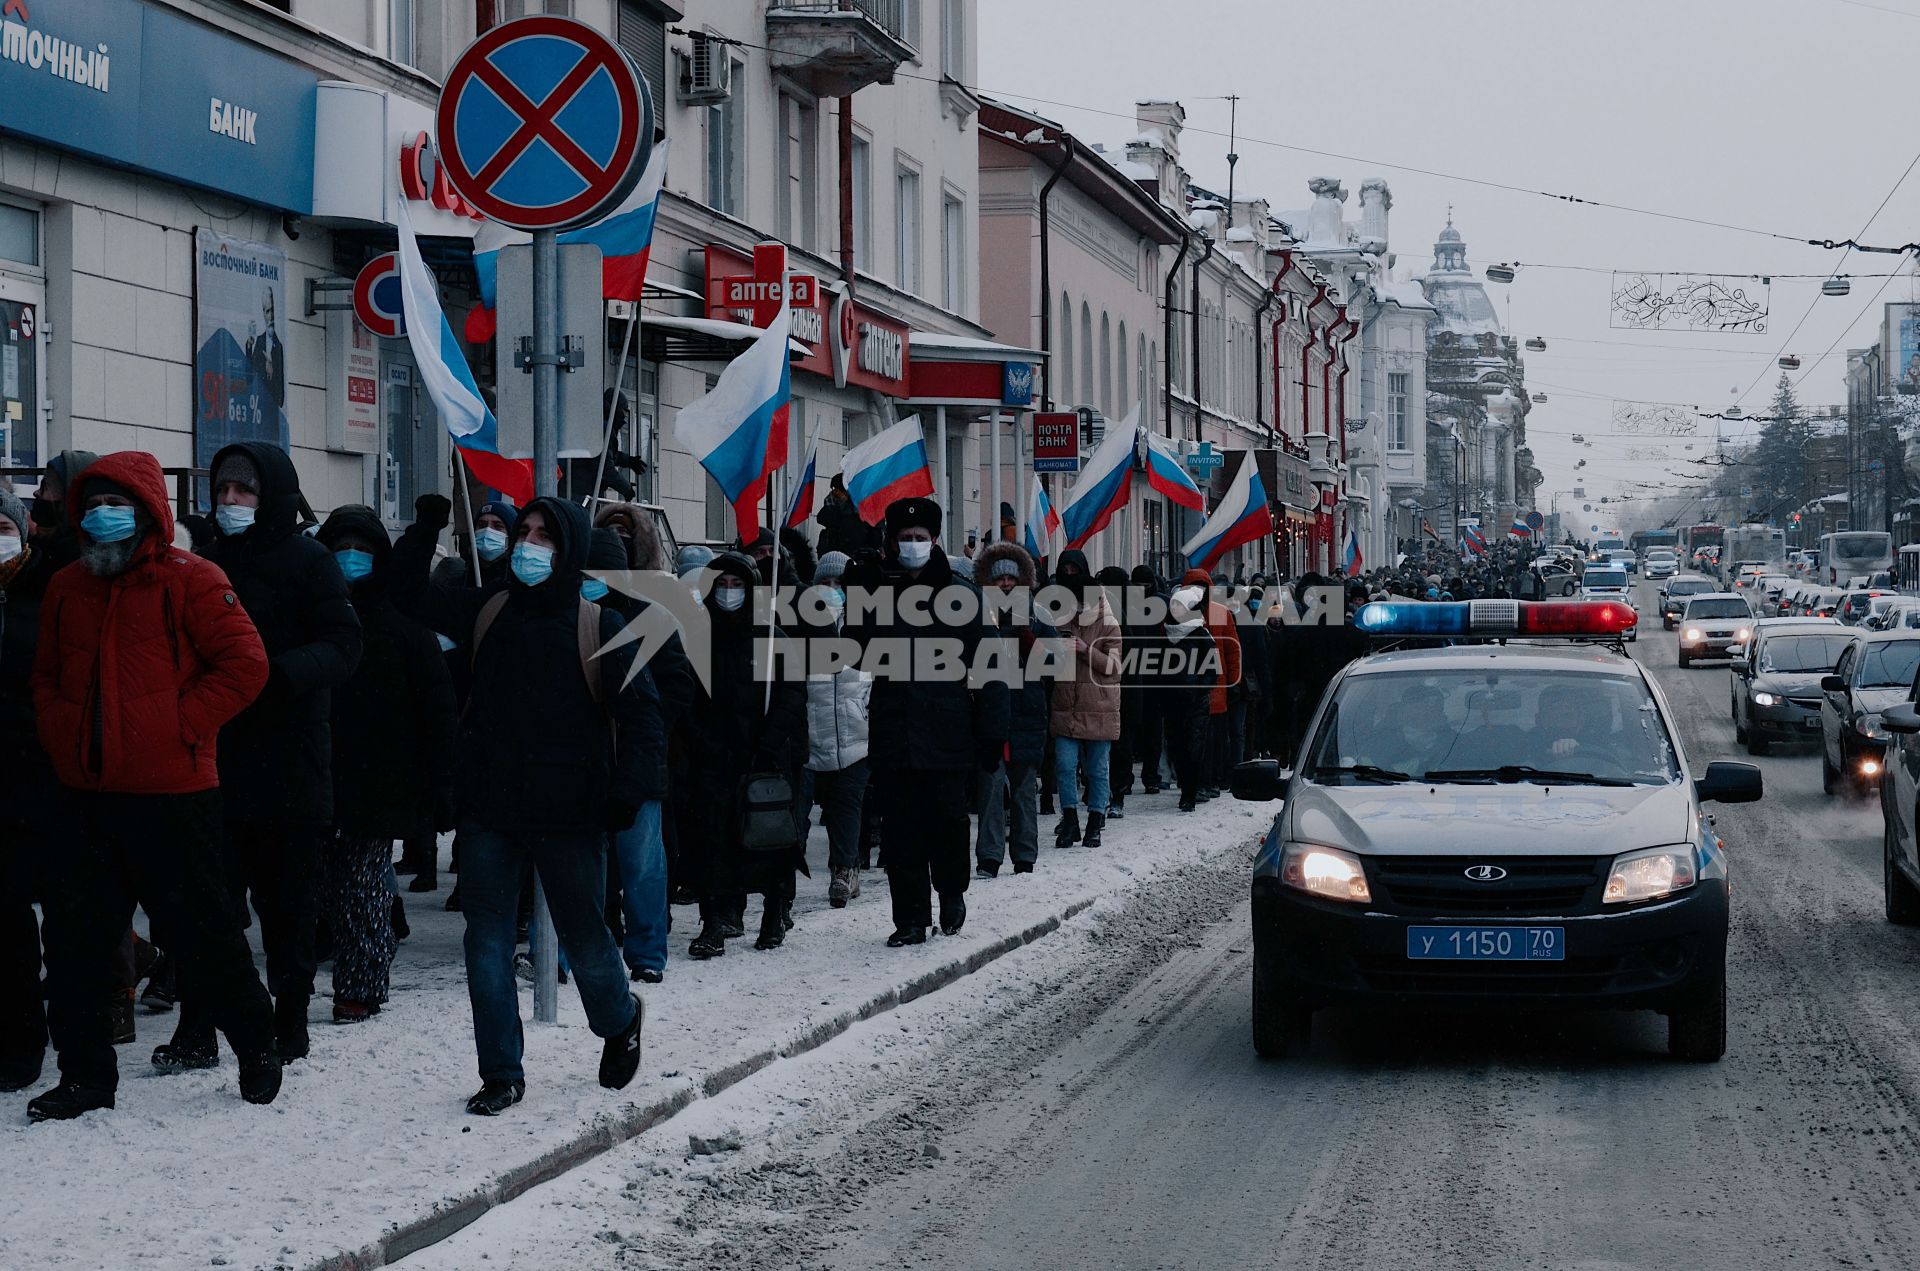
x=1650 y=874
x=1326 y=872
x=1765 y=699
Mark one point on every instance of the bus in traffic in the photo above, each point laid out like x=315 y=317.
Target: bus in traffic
x=1851 y=554
x=1766 y=544
x=1695 y=537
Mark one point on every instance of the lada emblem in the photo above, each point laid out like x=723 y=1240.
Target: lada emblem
x=1485 y=873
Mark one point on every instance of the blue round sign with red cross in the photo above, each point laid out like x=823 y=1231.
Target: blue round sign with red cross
x=376 y=296
x=544 y=123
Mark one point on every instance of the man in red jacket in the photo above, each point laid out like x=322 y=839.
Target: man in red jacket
x=144 y=653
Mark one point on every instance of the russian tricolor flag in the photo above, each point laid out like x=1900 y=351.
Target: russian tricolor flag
x=886 y=467
x=738 y=432
x=448 y=378
x=1355 y=562
x=1043 y=524
x=1105 y=484
x=624 y=237
x=1520 y=529
x=800 y=504
x=1472 y=536
x=1242 y=517
x=1168 y=477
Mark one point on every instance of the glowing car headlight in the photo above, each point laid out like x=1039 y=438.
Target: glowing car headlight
x=1869 y=726
x=1692 y=633
x=1766 y=699
x=1326 y=872
x=1650 y=874
x=1742 y=635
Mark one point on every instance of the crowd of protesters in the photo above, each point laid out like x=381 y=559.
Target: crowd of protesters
x=256 y=710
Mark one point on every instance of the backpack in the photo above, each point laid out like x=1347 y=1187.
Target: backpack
x=587 y=628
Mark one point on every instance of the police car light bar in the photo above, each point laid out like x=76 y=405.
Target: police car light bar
x=1589 y=618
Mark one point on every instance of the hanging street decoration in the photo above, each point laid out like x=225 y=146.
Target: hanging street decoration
x=1690 y=302
x=1655 y=419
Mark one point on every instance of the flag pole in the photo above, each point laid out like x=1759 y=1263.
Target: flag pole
x=613 y=404
x=773 y=572
x=465 y=491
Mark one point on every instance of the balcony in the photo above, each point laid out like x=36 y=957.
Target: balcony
x=836 y=47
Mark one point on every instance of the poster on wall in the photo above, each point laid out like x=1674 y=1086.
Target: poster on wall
x=240 y=358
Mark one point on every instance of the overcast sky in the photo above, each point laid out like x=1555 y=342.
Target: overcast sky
x=1791 y=116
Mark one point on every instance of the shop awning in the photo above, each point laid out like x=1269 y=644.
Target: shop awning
x=967 y=370
x=669 y=338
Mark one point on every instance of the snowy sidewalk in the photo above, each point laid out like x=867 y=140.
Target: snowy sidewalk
x=368 y=1154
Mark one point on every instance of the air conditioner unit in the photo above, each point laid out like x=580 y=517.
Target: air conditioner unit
x=708 y=73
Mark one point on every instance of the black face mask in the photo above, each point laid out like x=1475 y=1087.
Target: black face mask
x=45 y=513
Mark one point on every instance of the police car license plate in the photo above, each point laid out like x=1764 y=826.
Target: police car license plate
x=1487 y=944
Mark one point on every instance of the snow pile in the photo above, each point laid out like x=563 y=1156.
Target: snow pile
x=369 y=1137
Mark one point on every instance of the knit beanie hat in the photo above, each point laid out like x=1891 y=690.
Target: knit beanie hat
x=1004 y=567
x=832 y=565
x=238 y=468
x=14 y=510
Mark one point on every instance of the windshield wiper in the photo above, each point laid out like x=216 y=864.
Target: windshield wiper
x=1524 y=772
x=1369 y=771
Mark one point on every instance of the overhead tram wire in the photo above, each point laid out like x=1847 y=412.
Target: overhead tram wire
x=1483 y=182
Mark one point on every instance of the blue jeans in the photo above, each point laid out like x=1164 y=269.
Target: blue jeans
x=573 y=871
x=1067 y=752
x=642 y=857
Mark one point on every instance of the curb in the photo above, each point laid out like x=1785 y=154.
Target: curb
x=431 y=1228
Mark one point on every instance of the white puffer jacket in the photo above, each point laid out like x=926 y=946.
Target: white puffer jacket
x=837 y=719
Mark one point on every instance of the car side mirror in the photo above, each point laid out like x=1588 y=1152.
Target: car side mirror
x=1833 y=684
x=1901 y=719
x=1738 y=651
x=1728 y=782
x=1258 y=781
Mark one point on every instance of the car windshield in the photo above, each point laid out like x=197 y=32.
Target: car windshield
x=1889 y=665
x=1606 y=578
x=1688 y=588
x=1799 y=654
x=1489 y=724
x=1719 y=609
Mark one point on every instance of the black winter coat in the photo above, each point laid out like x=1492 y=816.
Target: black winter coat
x=535 y=753
x=26 y=774
x=393 y=728
x=927 y=725
x=276 y=756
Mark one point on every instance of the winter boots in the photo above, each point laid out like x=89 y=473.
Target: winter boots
x=710 y=943
x=260 y=1077
x=121 y=1013
x=903 y=936
x=1067 y=833
x=845 y=887
x=160 y=994
x=1095 y=822
x=290 y=1040
x=773 y=926
x=953 y=914
x=193 y=1047
x=620 y=1057
x=66 y=1101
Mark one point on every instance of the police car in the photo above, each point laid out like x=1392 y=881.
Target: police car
x=1508 y=824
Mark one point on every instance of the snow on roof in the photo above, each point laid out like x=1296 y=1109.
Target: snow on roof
x=1035 y=136
x=931 y=341
x=1134 y=171
x=1404 y=292
x=1202 y=220
x=1240 y=234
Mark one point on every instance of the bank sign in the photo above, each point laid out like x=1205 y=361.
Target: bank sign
x=143 y=87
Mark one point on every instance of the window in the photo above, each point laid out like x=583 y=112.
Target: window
x=1142 y=373
x=910 y=22
x=1120 y=373
x=1106 y=365
x=1063 y=356
x=1086 y=355
x=508 y=10
x=799 y=170
x=863 y=201
x=953 y=253
x=953 y=38
x=641 y=30
x=1397 y=412
x=19 y=234
x=906 y=229
x=402 y=41
x=724 y=147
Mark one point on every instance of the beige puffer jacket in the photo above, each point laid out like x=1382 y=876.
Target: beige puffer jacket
x=1087 y=706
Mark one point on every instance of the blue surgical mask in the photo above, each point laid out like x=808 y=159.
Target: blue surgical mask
x=730 y=598
x=531 y=563
x=915 y=554
x=592 y=589
x=105 y=524
x=491 y=544
x=354 y=563
x=234 y=518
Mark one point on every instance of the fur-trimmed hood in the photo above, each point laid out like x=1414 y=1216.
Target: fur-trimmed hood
x=983 y=563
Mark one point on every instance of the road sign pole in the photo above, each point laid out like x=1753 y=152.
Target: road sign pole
x=546 y=424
